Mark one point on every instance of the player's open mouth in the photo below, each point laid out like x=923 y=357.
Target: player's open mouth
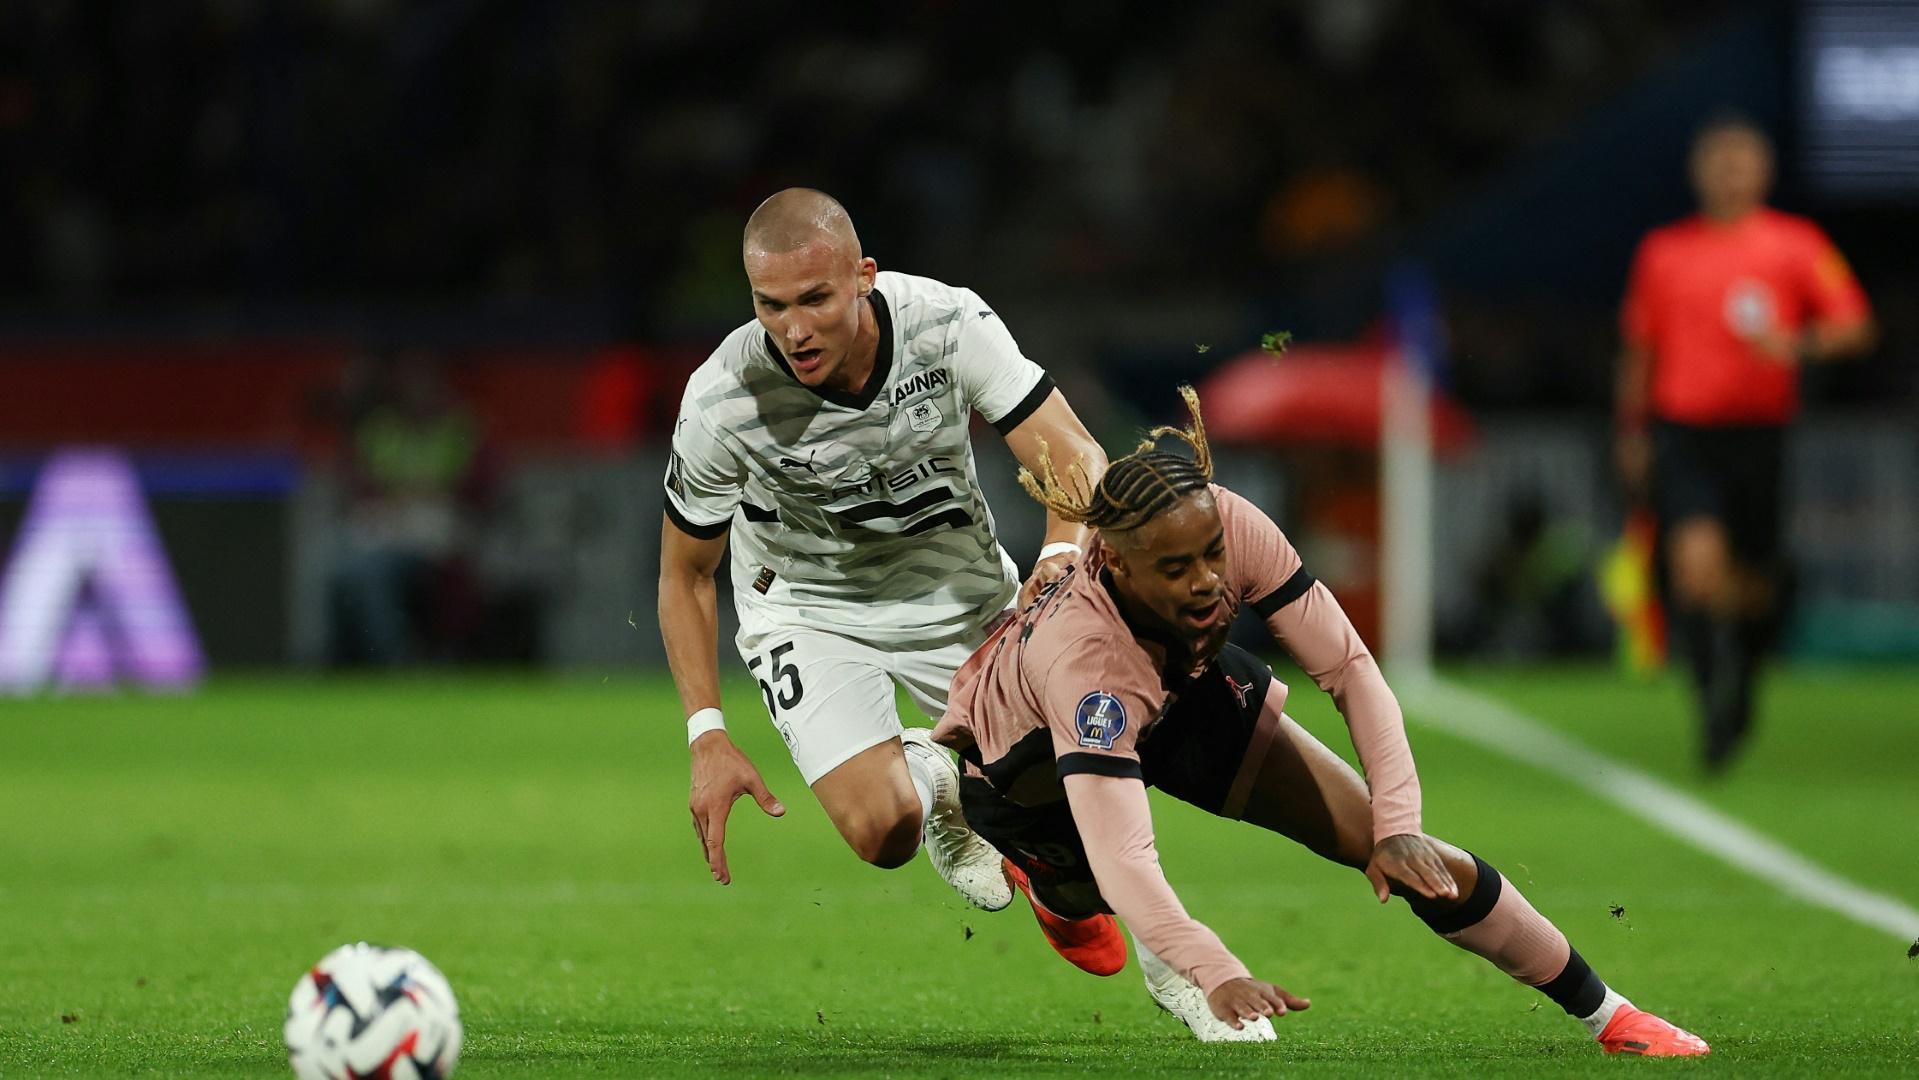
x=1204 y=616
x=805 y=359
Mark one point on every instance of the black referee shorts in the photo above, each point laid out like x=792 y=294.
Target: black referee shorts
x=1733 y=475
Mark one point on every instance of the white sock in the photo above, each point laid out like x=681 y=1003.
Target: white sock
x=920 y=770
x=1597 y=1022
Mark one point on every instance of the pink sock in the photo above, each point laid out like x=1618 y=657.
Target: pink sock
x=1517 y=939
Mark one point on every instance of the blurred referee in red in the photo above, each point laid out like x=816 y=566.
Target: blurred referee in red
x=1721 y=310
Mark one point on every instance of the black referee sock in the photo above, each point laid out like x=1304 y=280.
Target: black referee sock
x=1692 y=633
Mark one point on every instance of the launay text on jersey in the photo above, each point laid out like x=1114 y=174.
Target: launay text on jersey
x=925 y=380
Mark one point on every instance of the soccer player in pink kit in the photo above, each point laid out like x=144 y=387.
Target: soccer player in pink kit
x=1119 y=677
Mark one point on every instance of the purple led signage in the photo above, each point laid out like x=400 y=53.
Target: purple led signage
x=88 y=598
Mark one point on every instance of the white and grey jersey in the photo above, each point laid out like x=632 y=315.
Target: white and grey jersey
x=861 y=513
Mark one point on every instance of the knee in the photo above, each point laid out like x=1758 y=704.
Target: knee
x=887 y=840
x=1701 y=573
x=1460 y=863
x=1696 y=582
x=1478 y=886
x=1351 y=843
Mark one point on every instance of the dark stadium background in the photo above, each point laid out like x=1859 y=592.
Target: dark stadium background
x=214 y=213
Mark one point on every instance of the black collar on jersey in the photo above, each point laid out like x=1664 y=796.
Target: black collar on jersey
x=1180 y=653
x=882 y=362
x=1142 y=630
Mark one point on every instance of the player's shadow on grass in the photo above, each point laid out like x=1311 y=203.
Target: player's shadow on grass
x=1138 y=1048
x=1156 y=1046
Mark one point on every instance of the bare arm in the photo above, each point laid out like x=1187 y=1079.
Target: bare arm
x=1632 y=383
x=1632 y=407
x=1830 y=340
x=689 y=625
x=689 y=614
x=1055 y=427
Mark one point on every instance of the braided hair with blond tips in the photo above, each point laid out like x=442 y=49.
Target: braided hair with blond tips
x=1136 y=488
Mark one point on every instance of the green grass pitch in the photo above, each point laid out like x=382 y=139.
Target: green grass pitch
x=168 y=867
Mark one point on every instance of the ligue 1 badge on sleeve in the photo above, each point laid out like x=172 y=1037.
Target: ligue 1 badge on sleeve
x=1100 y=719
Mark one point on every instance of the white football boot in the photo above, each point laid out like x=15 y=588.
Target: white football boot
x=969 y=864
x=1174 y=993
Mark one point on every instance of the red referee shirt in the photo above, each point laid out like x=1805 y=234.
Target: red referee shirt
x=1701 y=290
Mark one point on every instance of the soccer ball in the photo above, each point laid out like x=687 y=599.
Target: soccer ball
x=371 y=1011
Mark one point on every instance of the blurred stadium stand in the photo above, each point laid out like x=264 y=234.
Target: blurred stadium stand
x=214 y=210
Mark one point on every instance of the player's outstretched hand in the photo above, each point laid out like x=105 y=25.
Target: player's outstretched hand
x=721 y=774
x=1045 y=572
x=1249 y=999
x=1414 y=862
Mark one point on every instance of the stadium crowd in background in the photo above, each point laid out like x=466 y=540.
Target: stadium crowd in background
x=418 y=479
x=331 y=169
x=385 y=154
x=342 y=148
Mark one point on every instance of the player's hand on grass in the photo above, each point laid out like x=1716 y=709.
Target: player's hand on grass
x=1249 y=999
x=721 y=774
x=1045 y=572
x=1412 y=861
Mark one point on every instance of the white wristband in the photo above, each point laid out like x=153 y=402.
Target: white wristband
x=1061 y=547
x=702 y=722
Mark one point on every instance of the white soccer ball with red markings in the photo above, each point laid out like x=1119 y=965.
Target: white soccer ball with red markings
x=367 y=1011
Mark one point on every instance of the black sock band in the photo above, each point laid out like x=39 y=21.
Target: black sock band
x=1577 y=989
x=1447 y=918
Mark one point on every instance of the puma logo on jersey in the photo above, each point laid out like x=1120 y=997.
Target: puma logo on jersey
x=796 y=463
x=925 y=380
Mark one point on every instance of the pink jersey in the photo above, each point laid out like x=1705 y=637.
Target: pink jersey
x=1054 y=703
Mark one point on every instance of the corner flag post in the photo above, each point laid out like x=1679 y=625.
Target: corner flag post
x=1413 y=358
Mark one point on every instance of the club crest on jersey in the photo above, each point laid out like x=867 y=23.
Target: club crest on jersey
x=1750 y=308
x=1100 y=719
x=923 y=415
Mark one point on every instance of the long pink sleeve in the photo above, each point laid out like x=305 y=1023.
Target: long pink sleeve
x=1116 y=823
x=1304 y=617
x=1316 y=631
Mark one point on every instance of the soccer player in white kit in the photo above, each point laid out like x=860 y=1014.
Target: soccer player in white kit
x=829 y=438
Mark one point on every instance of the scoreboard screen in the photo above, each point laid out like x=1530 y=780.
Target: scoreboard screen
x=1859 y=98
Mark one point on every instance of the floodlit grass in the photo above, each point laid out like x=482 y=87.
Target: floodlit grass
x=168 y=867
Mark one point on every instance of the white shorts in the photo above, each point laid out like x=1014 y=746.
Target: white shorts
x=832 y=697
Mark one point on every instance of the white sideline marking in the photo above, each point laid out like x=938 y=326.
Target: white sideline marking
x=1473 y=717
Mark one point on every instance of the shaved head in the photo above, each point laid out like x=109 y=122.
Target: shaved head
x=810 y=284
x=799 y=217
